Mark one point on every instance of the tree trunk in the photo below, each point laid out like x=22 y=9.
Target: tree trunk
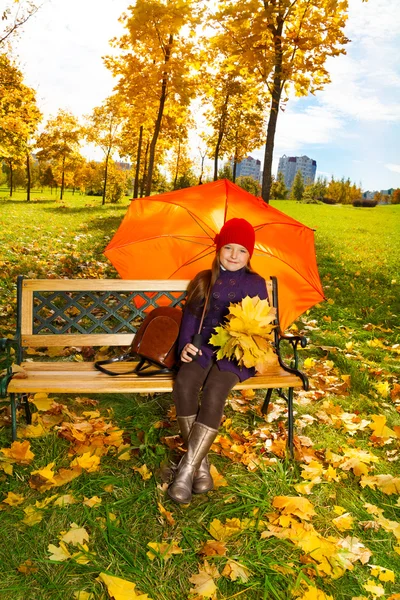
x=221 y=133
x=202 y=168
x=157 y=126
x=105 y=177
x=177 y=164
x=144 y=170
x=11 y=178
x=62 y=178
x=139 y=152
x=273 y=115
x=28 y=176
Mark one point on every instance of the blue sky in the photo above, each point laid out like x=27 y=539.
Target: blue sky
x=351 y=128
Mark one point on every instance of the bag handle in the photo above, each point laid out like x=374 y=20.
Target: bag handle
x=197 y=338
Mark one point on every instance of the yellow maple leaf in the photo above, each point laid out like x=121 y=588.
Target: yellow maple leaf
x=338 y=510
x=304 y=488
x=46 y=472
x=383 y=388
x=294 y=505
x=382 y=573
x=58 y=553
x=32 y=517
x=75 y=535
x=213 y=548
x=13 y=499
x=314 y=593
x=234 y=570
x=64 y=500
x=45 y=502
x=121 y=589
x=163 y=549
x=379 y=427
x=19 y=452
x=374 y=588
x=42 y=401
x=83 y=595
x=33 y=431
x=92 y=502
x=88 y=461
x=143 y=472
x=204 y=584
x=218 y=479
x=386 y=483
x=166 y=513
x=221 y=531
x=344 y=522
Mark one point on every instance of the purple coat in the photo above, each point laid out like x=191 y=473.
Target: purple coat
x=231 y=286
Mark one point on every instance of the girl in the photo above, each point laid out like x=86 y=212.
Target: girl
x=229 y=280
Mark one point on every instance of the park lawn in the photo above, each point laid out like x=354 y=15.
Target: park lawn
x=263 y=547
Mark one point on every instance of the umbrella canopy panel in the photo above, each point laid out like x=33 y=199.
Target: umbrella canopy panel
x=171 y=236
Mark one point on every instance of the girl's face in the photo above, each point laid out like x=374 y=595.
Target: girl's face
x=233 y=257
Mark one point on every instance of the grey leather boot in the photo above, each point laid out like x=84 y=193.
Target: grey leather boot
x=200 y=439
x=202 y=480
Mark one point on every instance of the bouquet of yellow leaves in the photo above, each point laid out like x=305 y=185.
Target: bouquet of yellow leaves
x=247 y=334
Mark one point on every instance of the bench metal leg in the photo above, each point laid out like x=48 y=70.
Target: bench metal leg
x=290 y=422
x=27 y=408
x=267 y=400
x=13 y=407
x=289 y=401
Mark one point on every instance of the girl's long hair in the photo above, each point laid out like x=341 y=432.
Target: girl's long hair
x=198 y=287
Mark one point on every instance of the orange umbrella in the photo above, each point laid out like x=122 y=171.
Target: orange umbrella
x=170 y=236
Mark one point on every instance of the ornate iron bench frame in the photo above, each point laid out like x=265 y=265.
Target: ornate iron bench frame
x=107 y=312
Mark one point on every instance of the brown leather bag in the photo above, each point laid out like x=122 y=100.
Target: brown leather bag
x=154 y=345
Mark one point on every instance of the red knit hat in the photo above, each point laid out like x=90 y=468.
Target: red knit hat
x=236 y=231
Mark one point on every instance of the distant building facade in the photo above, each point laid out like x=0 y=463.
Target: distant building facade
x=248 y=167
x=289 y=165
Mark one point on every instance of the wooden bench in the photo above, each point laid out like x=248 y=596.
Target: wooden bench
x=100 y=312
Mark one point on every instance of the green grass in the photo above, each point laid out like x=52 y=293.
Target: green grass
x=357 y=252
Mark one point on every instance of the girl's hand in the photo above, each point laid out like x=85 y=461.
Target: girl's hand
x=188 y=352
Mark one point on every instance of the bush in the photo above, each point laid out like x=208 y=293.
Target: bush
x=249 y=184
x=365 y=202
x=328 y=201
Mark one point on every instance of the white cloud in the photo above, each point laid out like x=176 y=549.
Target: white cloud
x=392 y=167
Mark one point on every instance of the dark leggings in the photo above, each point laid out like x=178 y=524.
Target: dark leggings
x=215 y=385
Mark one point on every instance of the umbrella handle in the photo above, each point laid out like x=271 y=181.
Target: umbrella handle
x=197 y=341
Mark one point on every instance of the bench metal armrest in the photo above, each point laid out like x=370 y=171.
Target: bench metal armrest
x=294 y=341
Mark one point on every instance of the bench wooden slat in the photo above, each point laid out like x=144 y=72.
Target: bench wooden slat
x=56 y=378
x=77 y=339
x=105 y=285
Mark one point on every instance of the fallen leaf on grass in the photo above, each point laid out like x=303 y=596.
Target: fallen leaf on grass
x=294 y=505
x=75 y=535
x=385 y=483
x=42 y=401
x=163 y=550
x=19 y=453
x=379 y=427
x=27 y=568
x=204 y=585
x=13 y=499
x=64 y=500
x=143 y=472
x=344 y=522
x=234 y=570
x=82 y=595
x=32 y=517
x=314 y=593
x=382 y=573
x=221 y=532
x=213 y=548
x=88 y=461
x=218 y=479
x=166 y=513
x=45 y=502
x=374 y=588
x=92 y=502
x=58 y=553
x=121 y=589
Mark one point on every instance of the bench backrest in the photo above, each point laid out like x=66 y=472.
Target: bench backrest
x=91 y=312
